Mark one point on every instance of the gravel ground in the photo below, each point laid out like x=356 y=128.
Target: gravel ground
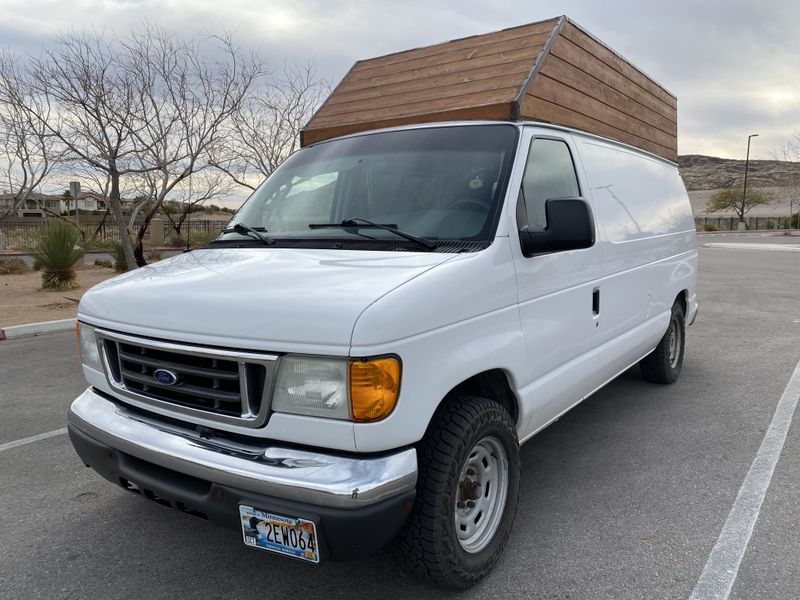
x=22 y=299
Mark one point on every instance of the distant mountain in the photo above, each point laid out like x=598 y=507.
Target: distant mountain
x=711 y=173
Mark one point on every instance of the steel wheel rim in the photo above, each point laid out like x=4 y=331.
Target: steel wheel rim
x=480 y=495
x=674 y=342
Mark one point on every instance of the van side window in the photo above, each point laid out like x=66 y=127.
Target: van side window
x=549 y=173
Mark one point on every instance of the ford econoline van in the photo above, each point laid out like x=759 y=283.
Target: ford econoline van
x=358 y=356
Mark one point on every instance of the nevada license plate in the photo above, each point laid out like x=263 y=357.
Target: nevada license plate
x=280 y=534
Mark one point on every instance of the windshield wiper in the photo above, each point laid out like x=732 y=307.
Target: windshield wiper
x=252 y=232
x=359 y=222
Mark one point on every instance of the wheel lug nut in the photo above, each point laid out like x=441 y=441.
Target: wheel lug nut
x=470 y=504
x=460 y=504
x=470 y=471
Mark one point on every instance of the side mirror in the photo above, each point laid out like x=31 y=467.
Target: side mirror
x=569 y=227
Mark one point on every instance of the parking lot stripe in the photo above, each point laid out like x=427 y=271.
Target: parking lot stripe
x=33 y=438
x=722 y=567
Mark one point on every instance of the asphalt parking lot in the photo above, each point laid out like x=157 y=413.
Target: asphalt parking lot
x=624 y=497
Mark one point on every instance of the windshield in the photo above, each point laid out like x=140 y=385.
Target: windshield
x=440 y=183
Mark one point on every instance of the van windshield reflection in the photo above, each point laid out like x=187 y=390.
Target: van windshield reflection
x=421 y=185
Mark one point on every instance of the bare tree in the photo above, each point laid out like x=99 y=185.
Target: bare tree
x=148 y=106
x=185 y=97
x=82 y=91
x=28 y=153
x=267 y=128
x=200 y=188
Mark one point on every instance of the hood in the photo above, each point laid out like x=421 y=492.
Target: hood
x=272 y=299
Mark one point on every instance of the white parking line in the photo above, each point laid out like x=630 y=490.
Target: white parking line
x=33 y=438
x=719 y=574
x=751 y=246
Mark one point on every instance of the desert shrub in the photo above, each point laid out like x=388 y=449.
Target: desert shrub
x=176 y=240
x=104 y=263
x=199 y=240
x=709 y=227
x=57 y=254
x=118 y=254
x=153 y=257
x=13 y=266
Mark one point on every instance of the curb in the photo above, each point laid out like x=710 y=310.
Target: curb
x=32 y=329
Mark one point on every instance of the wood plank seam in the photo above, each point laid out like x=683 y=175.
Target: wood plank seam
x=531 y=46
x=626 y=113
x=563 y=54
x=626 y=137
x=555 y=64
x=454 y=44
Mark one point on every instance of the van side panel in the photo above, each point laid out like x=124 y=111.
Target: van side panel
x=646 y=230
x=645 y=255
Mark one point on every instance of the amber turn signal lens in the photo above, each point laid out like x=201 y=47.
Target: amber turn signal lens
x=374 y=385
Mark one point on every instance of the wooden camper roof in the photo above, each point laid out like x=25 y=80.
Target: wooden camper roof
x=550 y=71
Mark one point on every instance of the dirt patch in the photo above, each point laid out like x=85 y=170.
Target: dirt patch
x=23 y=301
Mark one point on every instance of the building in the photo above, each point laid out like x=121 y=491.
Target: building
x=38 y=205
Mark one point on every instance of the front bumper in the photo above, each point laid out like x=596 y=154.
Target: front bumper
x=358 y=503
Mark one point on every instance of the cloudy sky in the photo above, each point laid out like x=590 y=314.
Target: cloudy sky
x=733 y=64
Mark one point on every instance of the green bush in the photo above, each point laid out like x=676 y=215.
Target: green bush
x=176 y=240
x=13 y=266
x=770 y=224
x=795 y=221
x=56 y=253
x=118 y=254
x=200 y=240
x=709 y=227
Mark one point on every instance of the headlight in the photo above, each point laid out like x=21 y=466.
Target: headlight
x=90 y=352
x=312 y=386
x=359 y=389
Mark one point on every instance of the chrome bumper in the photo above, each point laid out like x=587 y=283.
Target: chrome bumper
x=285 y=473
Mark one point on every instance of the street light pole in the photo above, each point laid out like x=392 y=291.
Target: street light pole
x=744 y=191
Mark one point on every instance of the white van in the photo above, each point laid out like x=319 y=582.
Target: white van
x=360 y=354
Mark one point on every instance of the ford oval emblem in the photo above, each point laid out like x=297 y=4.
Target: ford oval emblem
x=165 y=377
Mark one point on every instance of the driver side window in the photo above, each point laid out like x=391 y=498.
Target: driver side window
x=549 y=173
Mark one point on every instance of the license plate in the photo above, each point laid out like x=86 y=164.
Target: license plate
x=280 y=534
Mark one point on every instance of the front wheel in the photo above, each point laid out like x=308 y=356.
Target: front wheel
x=663 y=365
x=466 y=494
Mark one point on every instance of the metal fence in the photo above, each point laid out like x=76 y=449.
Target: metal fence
x=732 y=223
x=21 y=234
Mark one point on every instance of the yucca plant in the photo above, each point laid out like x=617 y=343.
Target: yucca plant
x=57 y=254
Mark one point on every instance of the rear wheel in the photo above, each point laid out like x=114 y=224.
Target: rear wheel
x=466 y=495
x=663 y=365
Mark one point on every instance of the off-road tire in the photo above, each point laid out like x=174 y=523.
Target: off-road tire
x=662 y=365
x=429 y=543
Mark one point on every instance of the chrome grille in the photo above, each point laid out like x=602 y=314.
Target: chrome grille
x=223 y=385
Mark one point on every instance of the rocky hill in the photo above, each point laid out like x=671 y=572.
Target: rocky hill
x=712 y=173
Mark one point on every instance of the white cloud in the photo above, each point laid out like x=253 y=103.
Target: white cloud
x=732 y=64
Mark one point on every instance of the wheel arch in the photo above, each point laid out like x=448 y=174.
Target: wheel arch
x=682 y=299
x=493 y=384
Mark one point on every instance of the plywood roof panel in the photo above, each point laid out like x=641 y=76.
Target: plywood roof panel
x=548 y=71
